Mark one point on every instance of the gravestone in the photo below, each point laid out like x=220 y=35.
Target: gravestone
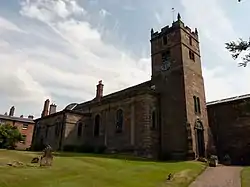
x=47 y=157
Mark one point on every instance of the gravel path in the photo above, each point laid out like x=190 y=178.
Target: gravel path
x=220 y=176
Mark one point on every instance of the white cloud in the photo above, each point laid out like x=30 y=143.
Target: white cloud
x=104 y=13
x=158 y=18
x=81 y=57
x=73 y=69
x=223 y=79
x=213 y=25
x=16 y=83
x=50 y=10
x=7 y=25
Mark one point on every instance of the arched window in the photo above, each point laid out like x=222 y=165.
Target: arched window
x=79 y=129
x=97 y=125
x=154 y=119
x=57 y=128
x=197 y=107
x=119 y=120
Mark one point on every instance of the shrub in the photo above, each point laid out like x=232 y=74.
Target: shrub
x=9 y=136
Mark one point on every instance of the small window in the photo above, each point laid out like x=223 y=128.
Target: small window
x=191 y=55
x=2 y=122
x=97 y=125
x=190 y=41
x=25 y=126
x=119 y=121
x=24 y=139
x=154 y=120
x=165 y=40
x=79 y=129
x=197 y=107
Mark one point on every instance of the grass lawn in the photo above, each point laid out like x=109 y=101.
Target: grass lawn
x=82 y=170
x=245 y=177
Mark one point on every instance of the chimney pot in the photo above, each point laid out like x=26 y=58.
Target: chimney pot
x=30 y=117
x=52 y=109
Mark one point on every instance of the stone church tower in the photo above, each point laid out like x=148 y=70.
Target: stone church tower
x=177 y=76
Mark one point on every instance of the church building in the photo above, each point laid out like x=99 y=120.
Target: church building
x=165 y=117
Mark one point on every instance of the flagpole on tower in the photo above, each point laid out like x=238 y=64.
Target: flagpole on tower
x=173 y=11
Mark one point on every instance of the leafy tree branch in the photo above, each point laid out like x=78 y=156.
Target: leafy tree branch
x=236 y=48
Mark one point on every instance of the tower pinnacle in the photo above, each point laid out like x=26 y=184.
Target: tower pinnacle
x=179 y=17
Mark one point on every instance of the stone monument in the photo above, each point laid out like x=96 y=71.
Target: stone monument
x=47 y=157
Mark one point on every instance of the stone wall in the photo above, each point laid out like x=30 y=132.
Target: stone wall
x=136 y=134
x=48 y=131
x=194 y=87
x=71 y=128
x=230 y=125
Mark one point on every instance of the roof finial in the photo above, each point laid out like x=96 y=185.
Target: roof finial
x=196 y=31
x=179 y=17
x=152 y=31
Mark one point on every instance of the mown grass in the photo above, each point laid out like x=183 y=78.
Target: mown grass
x=245 y=177
x=81 y=170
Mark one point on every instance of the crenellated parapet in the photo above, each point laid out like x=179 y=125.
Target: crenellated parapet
x=175 y=25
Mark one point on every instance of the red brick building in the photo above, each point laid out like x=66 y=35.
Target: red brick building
x=24 y=125
x=164 y=117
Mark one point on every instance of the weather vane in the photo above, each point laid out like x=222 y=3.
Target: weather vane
x=173 y=11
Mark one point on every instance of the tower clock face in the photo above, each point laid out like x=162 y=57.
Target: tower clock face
x=165 y=64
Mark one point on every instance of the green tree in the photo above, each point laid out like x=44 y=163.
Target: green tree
x=236 y=48
x=9 y=136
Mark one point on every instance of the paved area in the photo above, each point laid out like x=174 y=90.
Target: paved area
x=220 y=176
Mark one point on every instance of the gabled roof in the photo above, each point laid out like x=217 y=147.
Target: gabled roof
x=18 y=119
x=64 y=111
x=142 y=88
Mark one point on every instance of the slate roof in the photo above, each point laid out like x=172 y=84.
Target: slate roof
x=246 y=96
x=144 y=87
x=19 y=119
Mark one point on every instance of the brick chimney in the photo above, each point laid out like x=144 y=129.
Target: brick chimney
x=45 y=108
x=99 y=91
x=12 y=111
x=52 y=109
x=30 y=117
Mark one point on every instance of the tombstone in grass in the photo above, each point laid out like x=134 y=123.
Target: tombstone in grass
x=47 y=157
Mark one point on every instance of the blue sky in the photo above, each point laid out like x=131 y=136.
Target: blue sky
x=60 y=49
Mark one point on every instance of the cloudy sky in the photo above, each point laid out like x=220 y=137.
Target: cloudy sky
x=60 y=49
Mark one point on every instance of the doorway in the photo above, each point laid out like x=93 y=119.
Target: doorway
x=200 y=139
